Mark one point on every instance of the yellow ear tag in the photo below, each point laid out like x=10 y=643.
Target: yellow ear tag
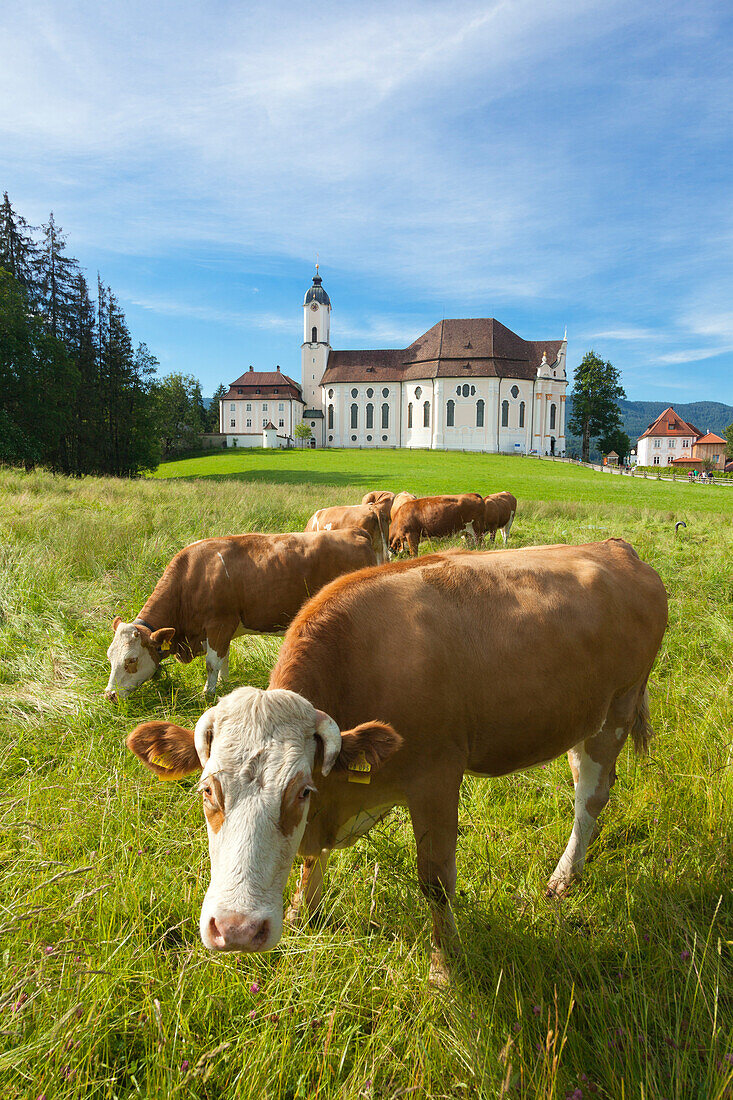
x=165 y=645
x=360 y=770
x=160 y=762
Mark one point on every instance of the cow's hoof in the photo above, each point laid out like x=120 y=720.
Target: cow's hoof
x=557 y=887
x=293 y=916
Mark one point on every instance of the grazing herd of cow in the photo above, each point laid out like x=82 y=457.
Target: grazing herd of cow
x=394 y=681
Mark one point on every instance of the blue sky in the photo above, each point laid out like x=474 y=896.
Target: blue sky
x=545 y=163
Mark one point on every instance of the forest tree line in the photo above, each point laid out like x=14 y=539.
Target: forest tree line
x=76 y=395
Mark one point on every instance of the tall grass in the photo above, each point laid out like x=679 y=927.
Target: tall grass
x=623 y=989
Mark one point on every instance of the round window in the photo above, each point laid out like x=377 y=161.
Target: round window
x=353 y=439
x=330 y=393
x=330 y=439
x=354 y=393
x=514 y=391
x=385 y=392
x=418 y=392
x=313 y=423
x=370 y=392
x=384 y=439
x=369 y=439
x=466 y=389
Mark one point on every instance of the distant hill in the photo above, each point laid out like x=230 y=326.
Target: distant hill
x=710 y=416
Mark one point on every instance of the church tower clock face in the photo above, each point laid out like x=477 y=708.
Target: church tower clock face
x=314 y=307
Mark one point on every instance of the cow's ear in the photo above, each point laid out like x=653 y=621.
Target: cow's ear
x=167 y=750
x=370 y=743
x=115 y=623
x=163 y=637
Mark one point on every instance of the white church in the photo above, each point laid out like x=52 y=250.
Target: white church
x=469 y=385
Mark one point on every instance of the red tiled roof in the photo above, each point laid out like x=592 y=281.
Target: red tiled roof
x=687 y=461
x=709 y=438
x=456 y=348
x=669 y=423
x=263 y=383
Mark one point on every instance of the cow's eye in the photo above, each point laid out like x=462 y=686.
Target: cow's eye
x=307 y=792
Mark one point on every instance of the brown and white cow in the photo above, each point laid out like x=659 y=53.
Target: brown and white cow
x=365 y=517
x=381 y=497
x=467 y=663
x=398 y=501
x=219 y=588
x=437 y=517
x=501 y=508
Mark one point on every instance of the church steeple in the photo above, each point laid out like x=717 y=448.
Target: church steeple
x=316 y=336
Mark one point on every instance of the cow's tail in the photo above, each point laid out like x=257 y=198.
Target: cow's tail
x=641 y=729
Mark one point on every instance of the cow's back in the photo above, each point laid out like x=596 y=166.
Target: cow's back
x=438 y=516
x=490 y=660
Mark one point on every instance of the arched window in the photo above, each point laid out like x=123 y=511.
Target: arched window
x=466 y=389
x=553 y=416
x=314 y=335
x=330 y=417
x=426 y=415
x=354 y=415
x=479 y=414
x=370 y=416
x=450 y=414
x=521 y=414
x=385 y=415
x=505 y=414
x=409 y=415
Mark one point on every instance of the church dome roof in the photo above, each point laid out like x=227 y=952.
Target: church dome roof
x=316 y=293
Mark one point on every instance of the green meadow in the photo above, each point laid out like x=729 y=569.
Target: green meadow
x=624 y=989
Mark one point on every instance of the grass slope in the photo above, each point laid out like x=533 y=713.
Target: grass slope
x=351 y=473
x=624 y=989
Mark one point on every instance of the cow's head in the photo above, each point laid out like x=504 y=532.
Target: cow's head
x=262 y=754
x=134 y=655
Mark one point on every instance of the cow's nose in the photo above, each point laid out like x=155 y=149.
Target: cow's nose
x=235 y=932
x=111 y=695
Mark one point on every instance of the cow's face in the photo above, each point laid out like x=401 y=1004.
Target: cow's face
x=134 y=655
x=258 y=750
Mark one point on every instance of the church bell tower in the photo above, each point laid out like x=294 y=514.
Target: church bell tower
x=316 y=336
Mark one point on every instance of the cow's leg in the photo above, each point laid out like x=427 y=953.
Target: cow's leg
x=307 y=896
x=435 y=824
x=493 y=536
x=413 y=543
x=507 y=528
x=592 y=763
x=218 y=639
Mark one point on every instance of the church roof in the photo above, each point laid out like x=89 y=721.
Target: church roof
x=316 y=293
x=263 y=383
x=668 y=423
x=454 y=348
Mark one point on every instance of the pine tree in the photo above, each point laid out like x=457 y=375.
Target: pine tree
x=180 y=413
x=212 y=413
x=81 y=340
x=596 y=391
x=18 y=250
x=57 y=278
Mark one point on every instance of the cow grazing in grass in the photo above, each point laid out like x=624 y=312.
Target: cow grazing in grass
x=437 y=517
x=217 y=589
x=501 y=508
x=398 y=501
x=394 y=683
x=365 y=517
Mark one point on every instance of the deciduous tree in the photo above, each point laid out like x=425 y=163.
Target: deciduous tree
x=596 y=391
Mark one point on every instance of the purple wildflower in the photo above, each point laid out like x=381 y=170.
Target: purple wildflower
x=252 y=1015
x=685 y=955
x=48 y=950
x=645 y=937
x=184 y=1065
x=536 y=1009
x=254 y=988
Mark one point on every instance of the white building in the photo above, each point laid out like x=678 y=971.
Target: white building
x=668 y=438
x=258 y=399
x=463 y=385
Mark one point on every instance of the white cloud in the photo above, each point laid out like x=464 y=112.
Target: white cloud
x=693 y=355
